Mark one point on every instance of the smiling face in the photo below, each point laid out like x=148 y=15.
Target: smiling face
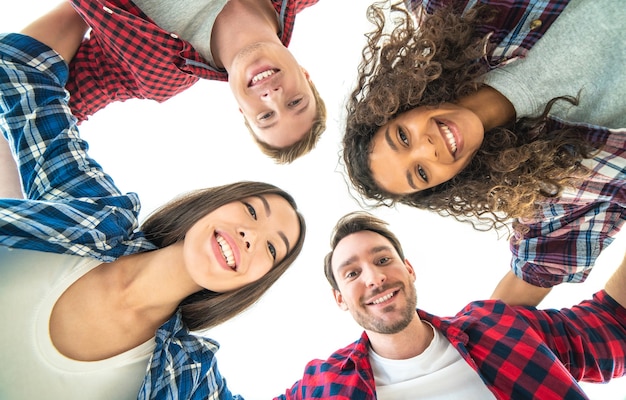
x=273 y=93
x=424 y=147
x=239 y=242
x=375 y=284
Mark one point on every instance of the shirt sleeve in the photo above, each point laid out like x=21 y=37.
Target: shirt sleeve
x=564 y=247
x=183 y=366
x=72 y=206
x=589 y=339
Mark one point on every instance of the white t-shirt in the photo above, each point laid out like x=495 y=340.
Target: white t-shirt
x=439 y=373
x=32 y=368
x=191 y=20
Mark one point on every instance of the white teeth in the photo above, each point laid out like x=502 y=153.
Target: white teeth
x=384 y=298
x=448 y=136
x=227 y=252
x=262 y=75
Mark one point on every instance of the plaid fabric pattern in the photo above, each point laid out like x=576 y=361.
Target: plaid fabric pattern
x=183 y=367
x=519 y=352
x=513 y=31
x=566 y=239
x=71 y=205
x=128 y=56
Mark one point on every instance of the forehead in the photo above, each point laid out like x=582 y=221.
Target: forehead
x=358 y=245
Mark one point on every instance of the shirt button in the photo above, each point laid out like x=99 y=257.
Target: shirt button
x=535 y=24
x=107 y=9
x=175 y=36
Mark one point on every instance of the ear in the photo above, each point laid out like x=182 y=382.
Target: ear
x=339 y=300
x=409 y=268
x=306 y=73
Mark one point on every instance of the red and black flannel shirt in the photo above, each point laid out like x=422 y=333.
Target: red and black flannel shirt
x=519 y=352
x=128 y=56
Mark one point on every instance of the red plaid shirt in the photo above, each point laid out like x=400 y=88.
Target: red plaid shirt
x=128 y=56
x=519 y=352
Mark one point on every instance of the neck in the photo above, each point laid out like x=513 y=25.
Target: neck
x=151 y=284
x=240 y=24
x=491 y=107
x=410 y=342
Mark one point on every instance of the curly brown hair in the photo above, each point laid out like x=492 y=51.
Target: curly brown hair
x=440 y=61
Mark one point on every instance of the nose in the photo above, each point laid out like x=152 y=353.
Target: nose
x=425 y=149
x=374 y=277
x=248 y=237
x=271 y=93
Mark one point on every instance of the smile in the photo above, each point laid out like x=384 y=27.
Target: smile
x=227 y=251
x=448 y=136
x=383 y=298
x=261 y=76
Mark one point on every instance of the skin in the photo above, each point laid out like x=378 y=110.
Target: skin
x=280 y=107
x=412 y=152
x=62 y=29
x=119 y=305
x=367 y=268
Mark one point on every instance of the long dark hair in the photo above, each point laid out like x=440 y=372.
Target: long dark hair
x=169 y=225
x=440 y=61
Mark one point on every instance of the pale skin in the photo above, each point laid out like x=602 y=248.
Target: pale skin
x=359 y=273
x=367 y=267
x=281 y=108
x=119 y=305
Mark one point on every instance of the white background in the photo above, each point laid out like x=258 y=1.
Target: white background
x=198 y=139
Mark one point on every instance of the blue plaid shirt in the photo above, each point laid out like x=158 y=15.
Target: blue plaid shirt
x=73 y=207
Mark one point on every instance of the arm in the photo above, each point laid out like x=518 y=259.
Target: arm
x=616 y=285
x=62 y=29
x=72 y=206
x=516 y=292
x=9 y=177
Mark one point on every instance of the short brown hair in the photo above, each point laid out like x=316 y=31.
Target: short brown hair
x=354 y=222
x=169 y=225
x=286 y=155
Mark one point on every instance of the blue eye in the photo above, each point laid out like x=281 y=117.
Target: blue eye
x=383 y=260
x=265 y=116
x=272 y=250
x=294 y=102
x=251 y=210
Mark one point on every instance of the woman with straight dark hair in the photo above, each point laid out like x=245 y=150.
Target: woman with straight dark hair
x=95 y=308
x=478 y=111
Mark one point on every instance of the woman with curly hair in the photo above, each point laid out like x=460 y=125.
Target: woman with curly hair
x=481 y=113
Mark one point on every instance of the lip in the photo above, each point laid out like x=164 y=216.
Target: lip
x=393 y=292
x=455 y=132
x=218 y=252
x=254 y=72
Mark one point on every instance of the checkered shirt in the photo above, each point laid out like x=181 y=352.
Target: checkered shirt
x=518 y=25
x=73 y=207
x=128 y=56
x=519 y=352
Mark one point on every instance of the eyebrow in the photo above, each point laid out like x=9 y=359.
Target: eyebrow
x=273 y=124
x=392 y=146
x=373 y=250
x=268 y=212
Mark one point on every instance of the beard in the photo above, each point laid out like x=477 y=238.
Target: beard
x=384 y=326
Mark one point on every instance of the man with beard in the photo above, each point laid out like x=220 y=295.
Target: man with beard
x=488 y=350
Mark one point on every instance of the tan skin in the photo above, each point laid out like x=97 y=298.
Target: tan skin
x=119 y=305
